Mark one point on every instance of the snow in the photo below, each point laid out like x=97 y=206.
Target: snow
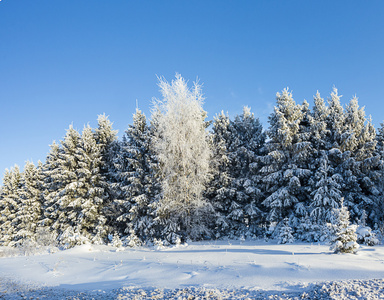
x=223 y=265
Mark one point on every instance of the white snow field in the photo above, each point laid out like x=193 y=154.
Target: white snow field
x=217 y=270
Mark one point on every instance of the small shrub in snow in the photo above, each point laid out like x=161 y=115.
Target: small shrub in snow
x=70 y=238
x=132 y=240
x=28 y=247
x=115 y=241
x=159 y=244
x=311 y=231
x=345 y=238
x=285 y=233
x=46 y=237
x=366 y=236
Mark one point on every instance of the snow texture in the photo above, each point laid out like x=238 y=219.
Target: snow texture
x=214 y=270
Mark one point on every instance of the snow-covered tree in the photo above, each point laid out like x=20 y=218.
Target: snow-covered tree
x=219 y=190
x=30 y=210
x=284 y=166
x=52 y=184
x=91 y=188
x=285 y=233
x=106 y=139
x=327 y=195
x=78 y=193
x=318 y=125
x=9 y=206
x=345 y=237
x=136 y=211
x=63 y=204
x=247 y=140
x=182 y=146
x=335 y=120
x=378 y=176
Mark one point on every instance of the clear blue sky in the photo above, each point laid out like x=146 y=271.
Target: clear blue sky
x=64 y=62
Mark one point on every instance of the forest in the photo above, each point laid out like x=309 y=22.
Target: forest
x=314 y=173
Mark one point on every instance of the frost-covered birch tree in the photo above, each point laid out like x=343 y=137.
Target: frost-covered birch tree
x=183 y=149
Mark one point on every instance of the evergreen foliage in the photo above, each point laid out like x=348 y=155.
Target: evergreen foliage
x=284 y=168
x=30 y=211
x=247 y=140
x=219 y=189
x=9 y=205
x=170 y=179
x=345 y=237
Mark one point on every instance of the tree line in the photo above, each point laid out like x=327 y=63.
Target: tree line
x=179 y=177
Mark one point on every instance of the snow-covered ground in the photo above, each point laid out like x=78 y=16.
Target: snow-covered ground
x=208 y=267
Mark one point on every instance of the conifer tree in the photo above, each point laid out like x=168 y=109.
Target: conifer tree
x=30 y=210
x=356 y=161
x=220 y=190
x=9 y=206
x=66 y=203
x=327 y=195
x=285 y=233
x=52 y=184
x=136 y=210
x=283 y=167
x=106 y=139
x=335 y=120
x=345 y=237
x=91 y=194
x=245 y=147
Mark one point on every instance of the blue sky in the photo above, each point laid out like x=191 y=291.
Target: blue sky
x=64 y=62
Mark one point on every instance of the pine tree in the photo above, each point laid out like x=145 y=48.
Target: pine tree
x=378 y=177
x=327 y=195
x=66 y=205
x=9 y=206
x=106 y=139
x=91 y=189
x=345 y=237
x=52 y=184
x=285 y=233
x=219 y=190
x=284 y=166
x=335 y=121
x=182 y=147
x=30 y=212
x=244 y=149
x=356 y=161
x=136 y=210
x=318 y=125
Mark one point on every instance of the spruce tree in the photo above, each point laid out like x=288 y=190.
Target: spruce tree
x=220 y=190
x=245 y=147
x=91 y=190
x=30 y=211
x=345 y=237
x=335 y=121
x=136 y=210
x=327 y=195
x=9 y=206
x=66 y=206
x=106 y=139
x=52 y=185
x=284 y=166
